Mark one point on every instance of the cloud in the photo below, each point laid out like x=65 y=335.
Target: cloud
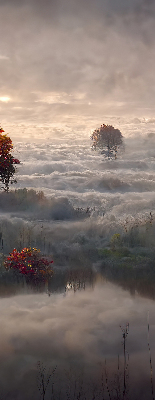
x=73 y=178
x=5 y=99
x=77 y=59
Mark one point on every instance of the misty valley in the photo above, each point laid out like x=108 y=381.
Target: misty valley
x=77 y=200
x=87 y=331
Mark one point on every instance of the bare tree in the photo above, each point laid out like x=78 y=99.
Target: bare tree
x=108 y=139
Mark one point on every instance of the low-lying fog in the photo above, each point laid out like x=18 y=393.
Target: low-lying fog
x=68 y=202
x=74 y=178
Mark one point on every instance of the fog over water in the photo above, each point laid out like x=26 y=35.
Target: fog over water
x=86 y=199
x=74 y=332
x=66 y=67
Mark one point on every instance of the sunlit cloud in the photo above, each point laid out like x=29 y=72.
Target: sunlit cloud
x=5 y=99
x=17 y=108
x=61 y=98
x=91 y=61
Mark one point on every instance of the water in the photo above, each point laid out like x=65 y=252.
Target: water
x=74 y=331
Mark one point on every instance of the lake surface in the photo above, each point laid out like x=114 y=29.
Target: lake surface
x=75 y=330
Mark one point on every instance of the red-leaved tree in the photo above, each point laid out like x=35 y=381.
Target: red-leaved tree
x=30 y=263
x=7 y=161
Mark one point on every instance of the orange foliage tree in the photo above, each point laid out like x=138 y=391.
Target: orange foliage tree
x=7 y=161
x=108 y=139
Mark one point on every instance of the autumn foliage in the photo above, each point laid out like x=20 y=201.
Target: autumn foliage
x=30 y=263
x=7 y=161
x=108 y=139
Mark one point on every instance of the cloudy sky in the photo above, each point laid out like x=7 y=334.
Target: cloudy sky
x=74 y=62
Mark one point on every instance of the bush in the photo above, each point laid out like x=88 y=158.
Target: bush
x=30 y=263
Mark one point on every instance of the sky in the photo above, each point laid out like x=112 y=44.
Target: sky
x=73 y=63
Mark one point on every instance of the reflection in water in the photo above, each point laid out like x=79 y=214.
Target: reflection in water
x=71 y=336
x=136 y=280
x=79 y=279
x=12 y=282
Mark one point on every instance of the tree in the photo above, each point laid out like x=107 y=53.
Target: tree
x=116 y=241
x=7 y=161
x=108 y=139
x=30 y=263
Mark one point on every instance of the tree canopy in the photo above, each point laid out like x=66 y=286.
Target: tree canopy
x=108 y=139
x=7 y=161
x=30 y=263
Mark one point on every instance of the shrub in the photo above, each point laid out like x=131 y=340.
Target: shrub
x=30 y=263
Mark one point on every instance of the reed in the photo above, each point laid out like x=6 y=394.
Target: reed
x=44 y=380
x=148 y=341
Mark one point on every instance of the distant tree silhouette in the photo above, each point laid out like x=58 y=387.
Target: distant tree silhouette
x=108 y=139
x=7 y=161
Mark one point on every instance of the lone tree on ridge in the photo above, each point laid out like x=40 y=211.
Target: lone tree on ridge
x=7 y=161
x=108 y=139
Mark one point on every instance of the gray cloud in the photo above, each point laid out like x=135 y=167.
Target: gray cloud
x=104 y=51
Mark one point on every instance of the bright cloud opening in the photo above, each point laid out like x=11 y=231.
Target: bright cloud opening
x=5 y=99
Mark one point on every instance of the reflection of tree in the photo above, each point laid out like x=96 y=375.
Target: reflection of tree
x=44 y=379
x=118 y=389
x=125 y=331
x=77 y=383
x=148 y=340
x=139 y=279
x=77 y=279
